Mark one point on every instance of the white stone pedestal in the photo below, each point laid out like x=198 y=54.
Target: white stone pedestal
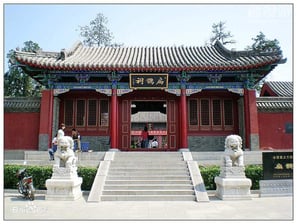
x=64 y=184
x=232 y=184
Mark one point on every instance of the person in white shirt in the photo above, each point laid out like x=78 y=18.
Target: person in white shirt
x=155 y=143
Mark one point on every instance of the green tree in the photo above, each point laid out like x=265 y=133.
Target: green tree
x=219 y=33
x=262 y=44
x=97 y=33
x=16 y=82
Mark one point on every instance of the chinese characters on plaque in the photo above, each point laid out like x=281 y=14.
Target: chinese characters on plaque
x=277 y=165
x=148 y=81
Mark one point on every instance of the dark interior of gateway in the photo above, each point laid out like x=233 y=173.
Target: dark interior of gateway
x=150 y=114
x=141 y=106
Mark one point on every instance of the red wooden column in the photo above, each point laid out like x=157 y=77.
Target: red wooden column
x=46 y=119
x=183 y=120
x=114 y=120
x=251 y=120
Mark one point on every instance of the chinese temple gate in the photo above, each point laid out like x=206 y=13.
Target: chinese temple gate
x=190 y=98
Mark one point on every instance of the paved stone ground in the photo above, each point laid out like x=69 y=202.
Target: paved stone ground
x=261 y=209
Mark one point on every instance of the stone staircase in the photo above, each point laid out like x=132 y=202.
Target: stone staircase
x=148 y=176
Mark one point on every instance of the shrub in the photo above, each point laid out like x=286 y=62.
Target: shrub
x=255 y=173
x=88 y=174
x=208 y=173
x=42 y=173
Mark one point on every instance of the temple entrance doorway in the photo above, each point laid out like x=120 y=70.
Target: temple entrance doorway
x=156 y=110
x=150 y=115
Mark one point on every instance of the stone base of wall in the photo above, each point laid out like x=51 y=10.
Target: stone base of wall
x=97 y=143
x=43 y=142
x=254 y=138
x=206 y=143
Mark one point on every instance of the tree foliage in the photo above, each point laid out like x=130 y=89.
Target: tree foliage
x=16 y=82
x=97 y=33
x=262 y=44
x=219 y=33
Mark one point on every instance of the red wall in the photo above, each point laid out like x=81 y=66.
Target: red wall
x=272 y=130
x=21 y=130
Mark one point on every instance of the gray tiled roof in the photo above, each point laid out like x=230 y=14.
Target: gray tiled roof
x=275 y=104
x=281 y=88
x=156 y=59
x=151 y=116
x=21 y=104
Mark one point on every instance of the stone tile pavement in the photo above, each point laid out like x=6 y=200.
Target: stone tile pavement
x=260 y=209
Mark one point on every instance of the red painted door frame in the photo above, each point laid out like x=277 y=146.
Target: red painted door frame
x=124 y=117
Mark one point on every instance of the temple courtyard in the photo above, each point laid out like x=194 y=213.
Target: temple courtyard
x=258 y=208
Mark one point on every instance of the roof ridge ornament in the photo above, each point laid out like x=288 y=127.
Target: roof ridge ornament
x=231 y=54
x=66 y=53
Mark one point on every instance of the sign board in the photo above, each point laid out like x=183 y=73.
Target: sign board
x=289 y=128
x=277 y=165
x=148 y=81
x=154 y=133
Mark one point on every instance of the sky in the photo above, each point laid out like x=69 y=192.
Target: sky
x=56 y=26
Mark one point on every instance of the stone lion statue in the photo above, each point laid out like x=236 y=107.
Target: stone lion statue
x=65 y=154
x=233 y=154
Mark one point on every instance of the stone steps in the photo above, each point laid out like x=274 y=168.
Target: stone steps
x=152 y=192
x=148 y=198
x=148 y=186
x=157 y=164
x=143 y=176
x=151 y=177
x=144 y=172
x=147 y=181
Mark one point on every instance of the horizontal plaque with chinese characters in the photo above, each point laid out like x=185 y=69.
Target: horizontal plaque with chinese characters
x=148 y=81
x=277 y=165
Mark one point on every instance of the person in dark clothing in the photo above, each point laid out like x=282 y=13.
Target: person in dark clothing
x=76 y=139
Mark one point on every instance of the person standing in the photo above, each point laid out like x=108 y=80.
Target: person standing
x=76 y=139
x=144 y=138
x=61 y=132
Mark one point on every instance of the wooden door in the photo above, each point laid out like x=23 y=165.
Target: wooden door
x=124 y=114
x=172 y=125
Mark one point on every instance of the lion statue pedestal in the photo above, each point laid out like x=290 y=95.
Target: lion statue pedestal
x=232 y=183
x=64 y=184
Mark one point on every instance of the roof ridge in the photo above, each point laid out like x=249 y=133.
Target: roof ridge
x=243 y=53
x=144 y=58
